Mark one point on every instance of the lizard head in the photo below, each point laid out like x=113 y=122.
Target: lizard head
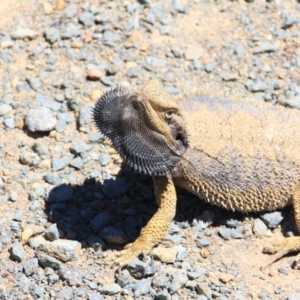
x=145 y=127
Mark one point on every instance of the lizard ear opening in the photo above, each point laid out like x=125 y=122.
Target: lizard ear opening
x=142 y=149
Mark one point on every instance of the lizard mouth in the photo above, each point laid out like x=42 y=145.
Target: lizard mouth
x=127 y=121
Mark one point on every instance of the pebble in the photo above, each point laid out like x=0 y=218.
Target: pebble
x=64 y=250
x=123 y=278
x=4 y=109
x=256 y=86
x=272 y=219
x=166 y=255
x=179 y=280
x=52 y=178
x=259 y=228
x=110 y=289
x=192 y=53
x=142 y=287
x=62 y=193
x=40 y=119
x=140 y=269
x=87 y=19
x=71 y=275
x=289 y=21
x=22 y=33
x=113 y=235
x=17 y=252
x=265 y=47
x=48 y=261
x=61 y=163
x=52 y=233
x=94 y=74
x=100 y=220
x=30 y=266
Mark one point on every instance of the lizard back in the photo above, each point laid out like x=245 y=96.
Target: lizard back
x=245 y=153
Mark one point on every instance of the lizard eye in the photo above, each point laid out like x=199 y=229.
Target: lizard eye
x=169 y=114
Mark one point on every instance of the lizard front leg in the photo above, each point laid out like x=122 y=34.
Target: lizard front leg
x=290 y=244
x=158 y=226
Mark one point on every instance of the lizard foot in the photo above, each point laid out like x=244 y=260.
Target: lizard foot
x=132 y=250
x=288 y=245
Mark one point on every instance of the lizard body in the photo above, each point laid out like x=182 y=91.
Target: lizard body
x=238 y=154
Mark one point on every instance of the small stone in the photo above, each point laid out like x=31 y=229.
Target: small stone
x=294 y=296
x=4 y=109
x=179 y=279
x=76 y=163
x=94 y=74
x=17 y=252
x=47 y=261
x=259 y=228
x=142 y=287
x=95 y=95
x=265 y=47
x=289 y=21
x=113 y=235
x=60 y=4
x=272 y=219
x=18 y=216
x=230 y=76
x=87 y=19
x=22 y=33
x=29 y=158
x=30 y=266
x=193 y=53
x=13 y=196
x=52 y=232
x=62 y=193
x=283 y=270
x=71 y=275
x=61 y=163
x=79 y=147
x=52 y=35
x=123 y=278
x=166 y=255
x=204 y=252
x=202 y=288
x=209 y=67
x=48 y=9
x=100 y=221
x=293 y=102
x=65 y=294
x=29 y=231
x=52 y=178
x=110 y=289
x=64 y=250
x=163 y=295
x=40 y=119
x=225 y=233
x=9 y=123
x=104 y=159
x=34 y=83
x=256 y=86
x=139 y=269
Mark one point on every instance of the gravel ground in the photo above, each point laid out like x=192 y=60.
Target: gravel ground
x=67 y=209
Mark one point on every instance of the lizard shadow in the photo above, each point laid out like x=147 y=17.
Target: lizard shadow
x=110 y=214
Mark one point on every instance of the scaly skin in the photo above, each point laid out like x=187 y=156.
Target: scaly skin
x=238 y=154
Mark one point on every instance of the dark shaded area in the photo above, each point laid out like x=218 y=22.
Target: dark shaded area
x=113 y=213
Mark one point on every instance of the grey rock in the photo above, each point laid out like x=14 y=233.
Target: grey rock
x=154 y=61
x=95 y=296
x=192 y=53
x=272 y=219
x=230 y=76
x=177 y=6
x=60 y=126
x=70 y=32
x=96 y=242
x=142 y=287
x=61 y=163
x=111 y=289
x=239 y=50
x=104 y=159
x=47 y=102
x=71 y=275
x=163 y=295
x=65 y=294
x=22 y=33
x=283 y=270
x=76 y=163
x=34 y=83
x=225 y=233
x=62 y=193
x=115 y=188
x=139 y=269
x=293 y=102
x=256 y=86
x=289 y=21
x=53 y=278
x=29 y=158
x=209 y=67
x=109 y=38
x=30 y=266
x=87 y=19
x=18 y=216
x=17 y=252
x=202 y=288
x=64 y=250
x=294 y=296
x=107 y=80
x=52 y=35
x=265 y=47
x=4 y=109
x=123 y=278
x=84 y=117
x=48 y=261
x=96 y=137
x=179 y=280
x=100 y=221
x=79 y=147
x=9 y=123
x=52 y=233
x=113 y=235
x=52 y=178
x=196 y=274
x=40 y=119
x=203 y=243
x=259 y=228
